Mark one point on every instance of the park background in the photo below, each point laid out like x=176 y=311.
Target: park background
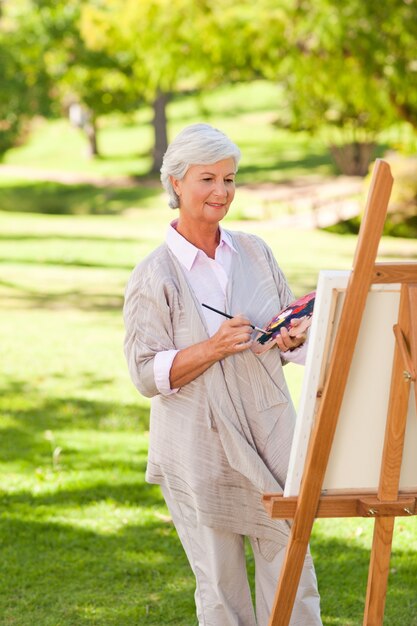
x=91 y=92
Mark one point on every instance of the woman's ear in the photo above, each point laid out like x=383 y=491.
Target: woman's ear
x=175 y=184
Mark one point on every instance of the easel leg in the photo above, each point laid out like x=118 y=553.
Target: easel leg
x=413 y=333
x=390 y=472
x=378 y=571
x=288 y=583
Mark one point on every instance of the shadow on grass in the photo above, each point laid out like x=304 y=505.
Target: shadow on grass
x=37 y=412
x=342 y=571
x=309 y=162
x=76 y=238
x=29 y=415
x=130 y=569
x=77 y=199
x=26 y=298
x=56 y=573
x=68 y=263
x=129 y=493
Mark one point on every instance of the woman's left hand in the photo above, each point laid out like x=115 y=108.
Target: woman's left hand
x=286 y=341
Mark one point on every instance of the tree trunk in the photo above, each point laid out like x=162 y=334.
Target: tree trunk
x=90 y=129
x=160 y=130
x=353 y=159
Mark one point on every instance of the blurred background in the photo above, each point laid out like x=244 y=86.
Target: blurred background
x=91 y=92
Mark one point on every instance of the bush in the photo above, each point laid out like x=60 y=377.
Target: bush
x=402 y=212
x=401 y=218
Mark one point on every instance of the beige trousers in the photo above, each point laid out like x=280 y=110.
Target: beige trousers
x=222 y=596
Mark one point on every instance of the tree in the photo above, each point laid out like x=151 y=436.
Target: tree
x=382 y=37
x=25 y=84
x=115 y=54
x=94 y=82
x=154 y=40
x=350 y=67
x=179 y=45
x=326 y=88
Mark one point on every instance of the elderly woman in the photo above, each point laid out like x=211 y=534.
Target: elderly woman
x=221 y=416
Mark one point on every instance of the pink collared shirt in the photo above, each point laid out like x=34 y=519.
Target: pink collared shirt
x=208 y=279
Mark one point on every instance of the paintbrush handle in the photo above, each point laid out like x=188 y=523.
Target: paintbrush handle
x=229 y=316
x=217 y=311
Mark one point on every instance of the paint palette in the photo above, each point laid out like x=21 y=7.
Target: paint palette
x=301 y=309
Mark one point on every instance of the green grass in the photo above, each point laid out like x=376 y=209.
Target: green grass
x=80 y=199
x=84 y=540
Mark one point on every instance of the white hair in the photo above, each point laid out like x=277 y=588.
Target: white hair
x=197 y=144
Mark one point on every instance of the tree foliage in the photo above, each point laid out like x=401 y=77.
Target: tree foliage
x=154 y=42
x=177 y=45
x=384 y=37
x=349 y=66
x=25 y=83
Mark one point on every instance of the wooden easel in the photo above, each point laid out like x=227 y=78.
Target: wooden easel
x=387 y=502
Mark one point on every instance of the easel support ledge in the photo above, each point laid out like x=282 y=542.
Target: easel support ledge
x=346 y=504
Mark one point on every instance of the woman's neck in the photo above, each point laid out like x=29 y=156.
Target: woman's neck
x=206 y=239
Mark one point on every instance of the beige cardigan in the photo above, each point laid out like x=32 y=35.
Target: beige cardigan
x=223 y=439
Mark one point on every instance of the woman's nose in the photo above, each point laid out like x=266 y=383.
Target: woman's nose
x=220 y=188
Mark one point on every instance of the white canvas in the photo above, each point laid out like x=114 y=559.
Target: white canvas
x=355 y=458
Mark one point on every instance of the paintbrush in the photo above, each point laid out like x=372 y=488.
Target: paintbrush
x=261 y=330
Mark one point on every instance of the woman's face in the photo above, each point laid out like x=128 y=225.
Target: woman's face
x=206 y=192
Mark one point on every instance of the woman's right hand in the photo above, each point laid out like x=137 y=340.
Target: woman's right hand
x=233 y=336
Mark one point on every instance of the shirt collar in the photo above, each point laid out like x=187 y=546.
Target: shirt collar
x=185 y=251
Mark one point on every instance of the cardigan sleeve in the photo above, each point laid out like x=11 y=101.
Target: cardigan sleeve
x=148 y=324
